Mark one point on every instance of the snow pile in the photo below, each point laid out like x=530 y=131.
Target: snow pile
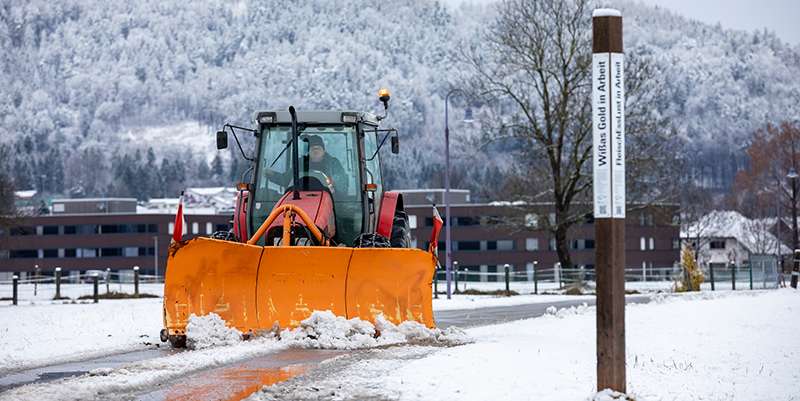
x=209 y=331
x=610 y=395
x=325 y=330
x=552 y=311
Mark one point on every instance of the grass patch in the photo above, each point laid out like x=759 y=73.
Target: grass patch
x=118 y=295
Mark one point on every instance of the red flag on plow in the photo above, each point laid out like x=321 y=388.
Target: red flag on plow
x=180 y=222
x=437 y=228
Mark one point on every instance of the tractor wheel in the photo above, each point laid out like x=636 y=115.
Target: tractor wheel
x=401 y=232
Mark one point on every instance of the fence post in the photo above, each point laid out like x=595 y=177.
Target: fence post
x=733 y=276
x=535 y=279
x=95 y=279
x=108 y=278
x=557 y=275
x=58 y=283
x=136 y=281
x=36 y=280
x=436 y=283
x=466 y=277
x=751 y=276
x=14 y=294
x=508 y=289
x=711 y=270
x=455 y=278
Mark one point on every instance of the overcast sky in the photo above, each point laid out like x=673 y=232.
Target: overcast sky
x=779 y=16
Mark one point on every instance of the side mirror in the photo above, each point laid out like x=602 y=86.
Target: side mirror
x=222 y=140
x=395 y=145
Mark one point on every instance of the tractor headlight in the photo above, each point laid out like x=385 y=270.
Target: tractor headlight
x=349 y=118
x=265 y=118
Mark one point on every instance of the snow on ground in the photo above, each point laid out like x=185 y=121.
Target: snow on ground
x=482 y=301
x=323 y=329
x=209 y=331
x=34 y=335
x=217 y=345
x=708 y=346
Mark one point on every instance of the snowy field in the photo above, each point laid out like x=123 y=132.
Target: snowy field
x=709 y=346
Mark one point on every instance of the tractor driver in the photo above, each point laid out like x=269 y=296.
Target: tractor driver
x=320 y=160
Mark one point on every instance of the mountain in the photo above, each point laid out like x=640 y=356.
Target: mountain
x=88 y=84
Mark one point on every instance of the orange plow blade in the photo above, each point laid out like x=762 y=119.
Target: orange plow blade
x=255 y=288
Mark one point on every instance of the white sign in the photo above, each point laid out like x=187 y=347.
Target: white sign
x=608 y=134
x=601 y=120
x=618 y=135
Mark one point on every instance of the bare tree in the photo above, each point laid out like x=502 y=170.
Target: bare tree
x=533 y=69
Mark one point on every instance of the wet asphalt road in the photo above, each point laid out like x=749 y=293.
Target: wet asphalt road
x=234 y=381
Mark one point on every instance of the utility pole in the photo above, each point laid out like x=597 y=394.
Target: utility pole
x=795 y=262
x=608 y=133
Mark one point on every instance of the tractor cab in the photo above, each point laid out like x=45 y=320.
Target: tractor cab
x=338 y=158
x=326 y=163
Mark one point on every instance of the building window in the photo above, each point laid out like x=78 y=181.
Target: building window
x=153 y=228
x=491 y=245
x=24 y=254
x=643 y=243
x=209 y=227
x=87 y=252
x=505 y=245
x=195 y=228
x=143 y=251
x=50 y=230
x=130 y=251
x=69 y=230
x=15 y=231
x=531 y=244
x=171 y=228
x=222 y=227
x=50 y=253
x=110 y=252
x=652 y=243
x=552 y=219
x=717 y=244
x=467 y=221
x=69 y=253
x=531 y=220
x=676 y=243
x=469 y=245
x=589 y=244
x=552 y=245
x=412 y=221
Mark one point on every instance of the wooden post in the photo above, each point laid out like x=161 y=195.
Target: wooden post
x=96 y=294
x=608 y=102
x=136 y=281
x=58 y=283
x=436 y=283
x=535 y=279
x=14 y=291
x=711 y=270
x=733 y=276
x=508 y=287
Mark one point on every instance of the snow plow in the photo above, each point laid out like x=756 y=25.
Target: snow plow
x=313 y=229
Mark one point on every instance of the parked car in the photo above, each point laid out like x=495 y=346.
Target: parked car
x=87 y=276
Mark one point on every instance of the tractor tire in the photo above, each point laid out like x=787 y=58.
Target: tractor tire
x=401 y=232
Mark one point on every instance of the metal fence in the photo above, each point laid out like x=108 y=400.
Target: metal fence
x=534 y=281
x=55 y=286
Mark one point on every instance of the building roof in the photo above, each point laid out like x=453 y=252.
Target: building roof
x=753 y=234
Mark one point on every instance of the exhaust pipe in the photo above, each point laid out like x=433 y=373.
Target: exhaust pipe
x=295 y=154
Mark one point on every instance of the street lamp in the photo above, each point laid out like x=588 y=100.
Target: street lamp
x=792 y=176
x=467 y=118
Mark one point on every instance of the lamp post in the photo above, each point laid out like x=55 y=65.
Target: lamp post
x=448 y=267
x=792 y=176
